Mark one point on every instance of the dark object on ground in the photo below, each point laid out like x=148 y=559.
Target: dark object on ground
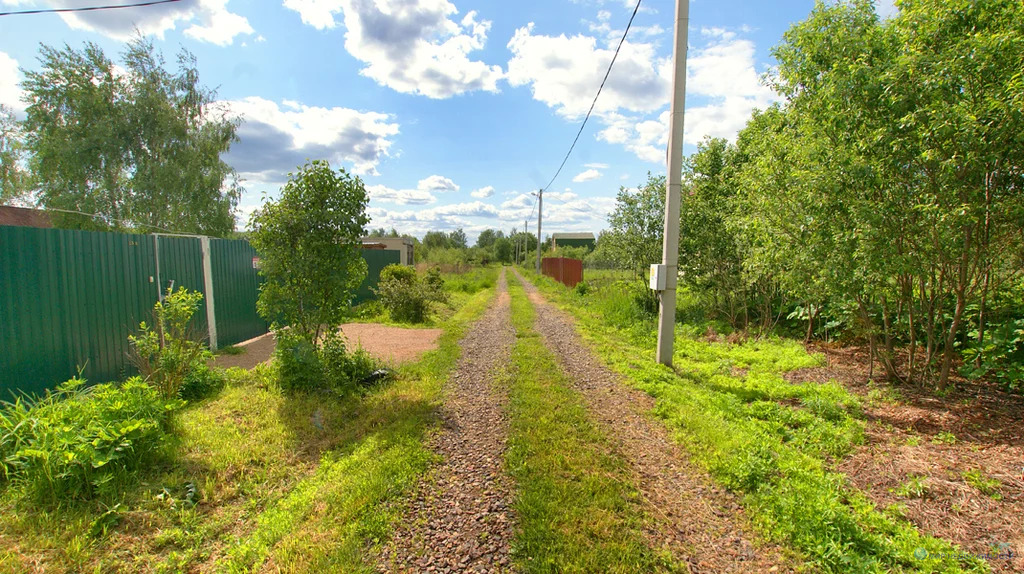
x=377 y=376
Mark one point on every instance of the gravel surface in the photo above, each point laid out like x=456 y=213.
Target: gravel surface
x=459 y=520
x=393 y=345
x=697 y=522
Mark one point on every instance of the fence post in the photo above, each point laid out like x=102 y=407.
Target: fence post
x=211 y=315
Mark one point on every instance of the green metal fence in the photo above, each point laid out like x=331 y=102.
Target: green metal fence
x=376 y=261
x=69 y=299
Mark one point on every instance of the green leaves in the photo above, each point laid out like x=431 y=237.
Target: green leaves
x=308 y=241
x=141 y=148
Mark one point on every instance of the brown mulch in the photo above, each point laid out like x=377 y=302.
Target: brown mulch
x=393 y=345
x=698 y=522
x=460 y=520
x=910 y=437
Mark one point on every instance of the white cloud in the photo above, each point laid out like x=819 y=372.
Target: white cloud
x=274 y=139
x=441 y=218
x=723 y=76
x=483 y=192
x=565 y=72
x=410 y=47
x=10 y=77
x=210 y=19
x=589 y=175
x=423 y=194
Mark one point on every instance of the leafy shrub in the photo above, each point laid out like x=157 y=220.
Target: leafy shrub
x=582 y=288
x=303 y=366
x=168 y=351
x=406 y=296
x=79 y=442
x=201 y=382
x=298 y=362
x=342 y=369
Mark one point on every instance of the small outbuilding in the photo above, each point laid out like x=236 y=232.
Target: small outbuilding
x=573 y=240
x=403 y=245
x=24 y=217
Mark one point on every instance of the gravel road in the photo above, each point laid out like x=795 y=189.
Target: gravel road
x=698 y=522
x=460 y=519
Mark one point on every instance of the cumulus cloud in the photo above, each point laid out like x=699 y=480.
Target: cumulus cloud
x=723 y=76
x=413 y=47
x=275 y=138
x=423 y=194
x=564 y=73
x=10 y=77
x=207 y=20
x=589 y=175
x=467 y=216
x=483 y=192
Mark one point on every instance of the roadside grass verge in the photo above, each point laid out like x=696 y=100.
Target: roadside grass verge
x=578 y=511
x=773 y=442
x=460 y=288
x=257 y=479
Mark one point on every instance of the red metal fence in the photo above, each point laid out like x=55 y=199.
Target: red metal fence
x=566 y=271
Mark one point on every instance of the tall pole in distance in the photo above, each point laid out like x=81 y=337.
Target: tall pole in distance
x=526 y=239
x=670 y=249
x=540 y=209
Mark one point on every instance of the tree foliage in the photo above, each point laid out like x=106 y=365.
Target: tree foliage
x=636 y=228
x=139 y=146
x=308 y=241
x=15 y=180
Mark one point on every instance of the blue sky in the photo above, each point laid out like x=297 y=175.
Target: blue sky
x=451 y=111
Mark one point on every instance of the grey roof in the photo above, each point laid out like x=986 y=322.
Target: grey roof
x=558 y=236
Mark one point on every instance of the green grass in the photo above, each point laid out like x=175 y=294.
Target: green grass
x=773 y=442
x=294 y=482
x=578 y=511
x=988 y=486
x=230 y=350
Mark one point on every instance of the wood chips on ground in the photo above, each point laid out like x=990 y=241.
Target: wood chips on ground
x=937 y=441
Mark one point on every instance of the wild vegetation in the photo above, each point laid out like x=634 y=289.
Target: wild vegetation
x=760 y=435
x=118 y=478
x=880 y=200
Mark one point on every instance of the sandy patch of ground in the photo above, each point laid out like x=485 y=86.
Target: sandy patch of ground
x=393 y=345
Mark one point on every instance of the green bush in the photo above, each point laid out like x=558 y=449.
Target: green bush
x=166 y=352
x=406 y=296
x=201 y=382
x=298 y=362
x=303 y=366
x=79 y=442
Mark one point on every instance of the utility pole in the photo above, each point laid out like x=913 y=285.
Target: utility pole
x=540 y=208
x=670 y=249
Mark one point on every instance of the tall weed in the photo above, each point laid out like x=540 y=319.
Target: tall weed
x=80 y=442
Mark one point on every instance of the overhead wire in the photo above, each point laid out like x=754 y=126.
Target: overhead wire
x=86 y=8
x=599 y=89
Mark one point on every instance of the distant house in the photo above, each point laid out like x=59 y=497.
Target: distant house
x=24 y=217
x=403 y=245
x=573 y=240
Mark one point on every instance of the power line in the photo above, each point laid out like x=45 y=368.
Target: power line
x=87 y=8
x=610 y=64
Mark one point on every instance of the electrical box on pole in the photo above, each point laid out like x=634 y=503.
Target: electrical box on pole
x=659 y=277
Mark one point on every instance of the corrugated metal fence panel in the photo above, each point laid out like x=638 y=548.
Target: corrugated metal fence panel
x=69 y=300
x=181 y=265
x=376 y=261
x=566 y=271
x=236 y=284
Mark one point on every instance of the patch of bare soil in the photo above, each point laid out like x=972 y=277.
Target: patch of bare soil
x=394 y=345
x=255 y=352
x=696 y=521
x=946 y=447
x=460 y=520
